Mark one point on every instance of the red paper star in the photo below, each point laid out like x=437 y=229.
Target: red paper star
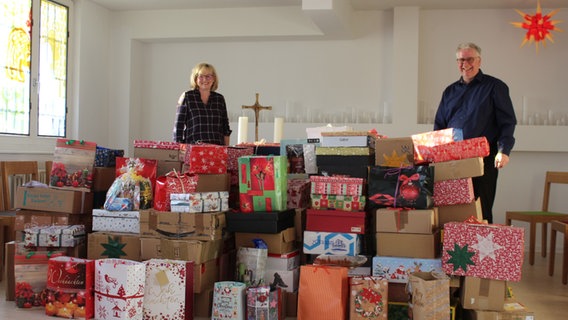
x=538 y=26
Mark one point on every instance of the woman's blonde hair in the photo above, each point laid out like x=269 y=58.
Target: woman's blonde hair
x=197 y=70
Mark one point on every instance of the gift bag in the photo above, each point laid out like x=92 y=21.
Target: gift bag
x=228 y=300
x=323 y=292
x=368 y=298
x=251 y=265
x=169 y=289
x=119 y=289
x=264 y=303
x=173 y=182
x=133 y=188
x=430 y=296
x=70 y=284
x=406 y=187
x=73 y=163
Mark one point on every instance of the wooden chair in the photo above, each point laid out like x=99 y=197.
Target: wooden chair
x=562 y=227
x=543 y=216
x=48 y=166
x=28 y=169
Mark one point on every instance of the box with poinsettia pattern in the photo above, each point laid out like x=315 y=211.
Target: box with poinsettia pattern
x=487 y=251
x=206 y=158
x=368 y=297
x=263 y=183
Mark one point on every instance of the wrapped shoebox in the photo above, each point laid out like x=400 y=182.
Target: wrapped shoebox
x=264 y=303
x=262 y=183
x=455 y=191
x=421 y=141
x=200 y=201
x=336 y=221
x=397 y=269
x=412 y=245
x=168 y=291
x=458 y=169
x=286 y=261
x=116 y=221
x=228 y=300
x=260 y=222
x=336 y=185
x=185 y=225
x=394 y=152
x=26 y=219
x=113 y=245
x=197 y=251
x=287 y=280
x=406 y=187
x=338 y=202
x=54 y=236
x=157 y=150
x=406 y=220
x=119 y=289
x=455 y=150
x=206 y=158
x=298 y=193
x=484 y=251
x=332 y=243
x=368 y=297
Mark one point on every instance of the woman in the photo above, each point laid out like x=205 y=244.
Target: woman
x=201 y=114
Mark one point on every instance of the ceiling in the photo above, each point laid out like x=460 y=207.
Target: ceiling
x=122 y=5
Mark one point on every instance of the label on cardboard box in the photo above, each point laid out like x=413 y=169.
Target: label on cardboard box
x=331 y=243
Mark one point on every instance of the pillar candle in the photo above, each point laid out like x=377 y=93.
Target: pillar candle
x=243 y=130
x=278 y=129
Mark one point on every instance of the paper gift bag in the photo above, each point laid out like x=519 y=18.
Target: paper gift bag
x=430 y=294
x=406 y=187
x=133 y=189
x=323 y=292
x=262 y=183
x=168 y=292
x=251 y=265
x=119 y=289
x=368 y=297
x=73 y=163
x=228 y=300
x=70 y=284
x=172 y=182
x=264 y=303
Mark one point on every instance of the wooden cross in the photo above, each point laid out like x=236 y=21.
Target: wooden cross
x=257 y=108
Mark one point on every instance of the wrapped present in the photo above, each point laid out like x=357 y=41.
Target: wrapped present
x=484 y=251
x=398 y=269
x=168 y=291
x=455 y=150
x=262 y=183
x=173 y=182
x=234 y=153
x=430 y=298
x=54 y=236
x=433 y=138
x=113 y=245
x=264 y=303
x=133 y=189
x=394 y=152
x=105 y=157
x=116 y=221
x=70 y=284
x=368 y=297
x=323 y=292
x=338 y=202
x=335 y=243
x=152 y=144
x=455 y=191
x=206 y=158
x=119 y=289
x=338 y=185
x=73 y=163
x=406 y=187
x=200 y=201
x=336 y=221
x=298 y=193
x=228 y=300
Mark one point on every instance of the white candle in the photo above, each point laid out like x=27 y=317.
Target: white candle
x=278 y=129
x=243 y=130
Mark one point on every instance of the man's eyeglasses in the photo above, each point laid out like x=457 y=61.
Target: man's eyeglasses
x=469 y=60
x=206 y=77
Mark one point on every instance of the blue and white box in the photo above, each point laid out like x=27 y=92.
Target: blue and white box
x=348 y=244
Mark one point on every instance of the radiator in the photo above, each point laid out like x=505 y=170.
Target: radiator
x=18 y=180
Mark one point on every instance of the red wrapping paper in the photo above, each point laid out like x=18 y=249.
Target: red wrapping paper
x=457 y=150
x=167 y=145
x=455 y=191
x=206 y=158
x=336 y=185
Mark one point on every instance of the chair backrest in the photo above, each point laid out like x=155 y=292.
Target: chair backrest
x=27 y=169
x=48 y=166
x=552 y=177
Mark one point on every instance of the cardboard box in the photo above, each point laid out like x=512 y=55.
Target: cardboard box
x=300 y=223
x=406 y=221
x=346 y=139
x=53 y=200
x=483 y=294
x=197 y=251
x=336 y=221
x=186 y=225
x=413 y=245
x=150 y=248
x=513 y=310
x=455 y=191
x=103 y=245
x=103 y=177
x=157 y=153
x=36 y=218
x=398 y=269
x=116 y=221
x=290 y=278
x=9 y=252
x=165 y=166
x=337 y=185
x=332 y=243
x=460 y=212
x=203 y=303
x=286 y=261
x=260 y=222
x=291 y=303
x=213 y=182
x=394 y=152
x=278 y=243
x=205 y=275
x=457 y=169
x=338 y=202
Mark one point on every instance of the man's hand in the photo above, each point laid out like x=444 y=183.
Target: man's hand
x=501 y=160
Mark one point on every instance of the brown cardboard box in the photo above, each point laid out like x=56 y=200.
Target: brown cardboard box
x=460 y=212
x=279 y=243
x=300 y=223
x=291 y=303
x=407 y=221
x=483 y=294
x=9 y=252
x=113 y=245
x=203 y=303
x=213 y=182
x=165 y=166
x=394 y=152
x=197 y=251
x=205 y=275
x=186 y=225
x=157 y=154
x=513 y=310
x=150 y=248
x=54 y=200
x=412 y=245
x=37 y=218
x=103 y=178
x=458 y=169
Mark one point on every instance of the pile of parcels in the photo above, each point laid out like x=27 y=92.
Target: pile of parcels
x=341 y=225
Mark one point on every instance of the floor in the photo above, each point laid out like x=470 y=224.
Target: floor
x=546 y=296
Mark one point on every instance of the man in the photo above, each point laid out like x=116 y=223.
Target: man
x=480 y=105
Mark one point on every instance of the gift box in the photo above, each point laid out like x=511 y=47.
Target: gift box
x=26 y=219
x=286 y=261
x=412 y=245
x=168 y=291
x=73 y=163
x=368 y=297
x=260 y=222
x=346 y=139
x=116 y=221
x=334 y=243
x=182 y=225
x=171 y=183
x=433 y=138
x=298 y=193
x=233 y=155
x=287 y=280
x=337 y=185
x=200 y=201
x=456 y=191
x=70 y=285
x=337 y=202
x=336 y=221
x=264 y=303
x=334 y=160
x=113 y=245
x=484 y=251
x=278 y=243
x=206 y=158
x=407 y=187
x=458 y=169
x=228 y=300
x=394 y=152
x=54 y=236
x=398 y=269
x=353 y=171
x=262 y=183
x=119 y=289
x=105 y=157
x=158 y=150
x=191 y=250
x=460 y=212
x=455 y=150
x=361 y=153
x=406 y=221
